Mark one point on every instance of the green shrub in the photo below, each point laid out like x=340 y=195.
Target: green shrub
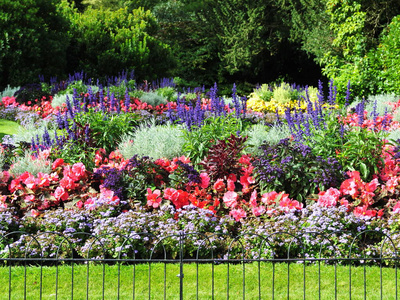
x=34 y=40
x=32 y=129
x=106 y=42
x=105 y=129
x=382 y=103
x=155 y=141
x=199 y=140
x=265 y=92
x=389 y=55
x=168 y=93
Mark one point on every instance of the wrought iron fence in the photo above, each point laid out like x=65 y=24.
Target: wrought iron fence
x=308 y=265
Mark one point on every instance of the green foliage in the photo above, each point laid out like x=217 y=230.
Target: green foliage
x=105 y=129
x=356 y=26
x=168 y=93
x=155 y=141
x=106 y=42
x=34 y=40
x=362 y=151
x=388 y=52
x=284 y=93
x=199 y=140
x=27 y=162
x=76 y=151
x=265 y=92
x=33 y=128
x=293 y=168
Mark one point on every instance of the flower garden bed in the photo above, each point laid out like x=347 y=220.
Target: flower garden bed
x=123 y=158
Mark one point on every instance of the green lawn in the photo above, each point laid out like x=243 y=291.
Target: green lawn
x=8 y=127
x=136 y=280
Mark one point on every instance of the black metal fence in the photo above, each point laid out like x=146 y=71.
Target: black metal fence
x=309 y=265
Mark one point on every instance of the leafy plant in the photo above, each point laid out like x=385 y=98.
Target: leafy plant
x=200 y=139
x=223 y=157
x=362 y=152
x=105 y=129
x=293 y=168
x=131 y=182
x=8 y=91
x=168 y=93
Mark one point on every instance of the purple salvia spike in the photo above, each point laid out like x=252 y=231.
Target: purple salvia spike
x=127 y=100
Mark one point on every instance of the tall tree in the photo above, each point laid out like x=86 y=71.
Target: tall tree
x=33 y=40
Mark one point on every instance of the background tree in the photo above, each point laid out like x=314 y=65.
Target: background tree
x=105 y=42
x=33 y=40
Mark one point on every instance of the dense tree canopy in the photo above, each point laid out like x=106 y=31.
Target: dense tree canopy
x=203 y=41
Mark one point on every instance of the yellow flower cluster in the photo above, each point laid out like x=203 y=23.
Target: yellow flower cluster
x=255 y=103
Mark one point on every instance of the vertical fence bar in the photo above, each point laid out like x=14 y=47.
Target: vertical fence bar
x=273 y=280
x=181 y=237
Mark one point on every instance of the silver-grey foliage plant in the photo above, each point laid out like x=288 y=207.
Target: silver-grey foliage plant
x=259 y=133
x=29 y=163
x=155 y=141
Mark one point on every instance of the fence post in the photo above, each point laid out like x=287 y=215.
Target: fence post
x=180 y=275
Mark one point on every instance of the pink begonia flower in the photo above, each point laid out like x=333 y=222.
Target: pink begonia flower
x=253 y=199
x=68 y=183
x=109 y=196
x=4 y=176
x=269 y=198
x=29 y=198
x=61 y=194
x=361 y=211
x=231 y=185
x=171 y=194
x=153 y=198
x=230 y=199
x=35 y=213
x=219 y=185
x=391 y=184
x=79 y=170
x=30 y=182
x=79 y=204
x=349 y=187
x=258 y=211
x=57 y=163
x=90 y=203
x=43 y=180
x=328 y=198
x=288 y=205
x=237 y=214
x=205 y=180
x=396 y=208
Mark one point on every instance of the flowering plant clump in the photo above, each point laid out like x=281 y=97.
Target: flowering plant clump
x=292 y=167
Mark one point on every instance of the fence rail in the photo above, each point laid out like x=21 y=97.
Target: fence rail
x=50 y=265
